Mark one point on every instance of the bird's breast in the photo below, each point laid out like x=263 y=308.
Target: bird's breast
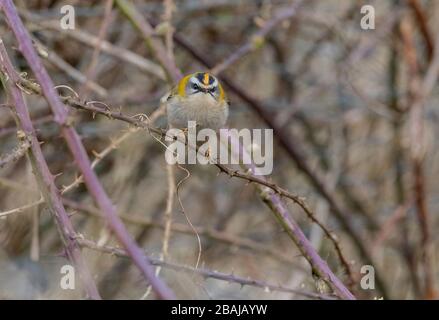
x=202 y=108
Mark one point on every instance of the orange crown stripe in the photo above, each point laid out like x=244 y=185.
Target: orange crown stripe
x=206 y=79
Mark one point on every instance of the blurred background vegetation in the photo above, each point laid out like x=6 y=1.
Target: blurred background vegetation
x=345 y=98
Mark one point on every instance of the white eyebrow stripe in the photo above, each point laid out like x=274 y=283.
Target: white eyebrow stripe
x=195 y=80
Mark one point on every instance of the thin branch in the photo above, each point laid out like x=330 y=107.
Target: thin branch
x=168 y=212
x=72 y=72
x=90 y=73
x=22 y=208
x=423 y=27
x=107 y=47
x=13 y=129
x=18 y=152
x=78 y=151
x=420 y=90
x=290 y=145
x=206 y=273
x=147 y=32
x=258 y=38
x=298 y=200
x=274 y=202
x=295 y=233
x=44 y=178
x=169 y=28
x=141 y=124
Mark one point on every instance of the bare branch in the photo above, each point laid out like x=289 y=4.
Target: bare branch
x=61 y=117
x=207 y=273
x=44 y=178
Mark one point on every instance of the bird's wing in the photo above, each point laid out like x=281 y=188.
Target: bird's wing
x=169 y=95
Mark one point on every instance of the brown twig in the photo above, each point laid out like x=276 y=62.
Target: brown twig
x=72 y=72
x=12 y=128
x=419 y=91
x=258 y=38
x=78 y=151
x=298 y=201
x=105 y=46
x=90 y=72
x=207 y=232
x=423 y=26
x=318 y=265
x=44 y=178
x=398 y=158
x=147 y=32
x=205 y=272
x=232 y=173
x=288 y=142
x=16 y=153
x=277 y=205
x=274 y=202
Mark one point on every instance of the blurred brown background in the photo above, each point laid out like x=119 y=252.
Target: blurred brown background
x=346 y=98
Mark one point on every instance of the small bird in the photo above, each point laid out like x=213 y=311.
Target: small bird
x=197 y=97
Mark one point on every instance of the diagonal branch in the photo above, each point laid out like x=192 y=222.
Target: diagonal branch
x=147 y=32
x=44 y=178
x=18 y=152
x=205 y=272
x=271 y=197
x=61 y=116
x=287 y=141
x=278 y=208
x=259 y=37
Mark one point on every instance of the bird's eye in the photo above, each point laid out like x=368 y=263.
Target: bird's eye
x=195 y=87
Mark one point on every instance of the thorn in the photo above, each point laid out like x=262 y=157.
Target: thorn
x=56 y=175
x=96 y=154
x=72 y=213
x=79 y=236
x=113 y=142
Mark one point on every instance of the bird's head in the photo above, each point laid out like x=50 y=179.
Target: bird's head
x=201 y=83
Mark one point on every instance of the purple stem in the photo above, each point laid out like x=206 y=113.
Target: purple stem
x=46 y=179
x=317 y=263
x=60 y=112
x=274 y=202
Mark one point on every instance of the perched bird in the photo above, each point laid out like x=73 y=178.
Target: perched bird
x=197 y=97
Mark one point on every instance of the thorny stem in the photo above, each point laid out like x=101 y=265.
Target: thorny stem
x=288 y=142
x=78 y=151
x=206 y=273
x=44 y=178
x=249 y=177
x=274 y=202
